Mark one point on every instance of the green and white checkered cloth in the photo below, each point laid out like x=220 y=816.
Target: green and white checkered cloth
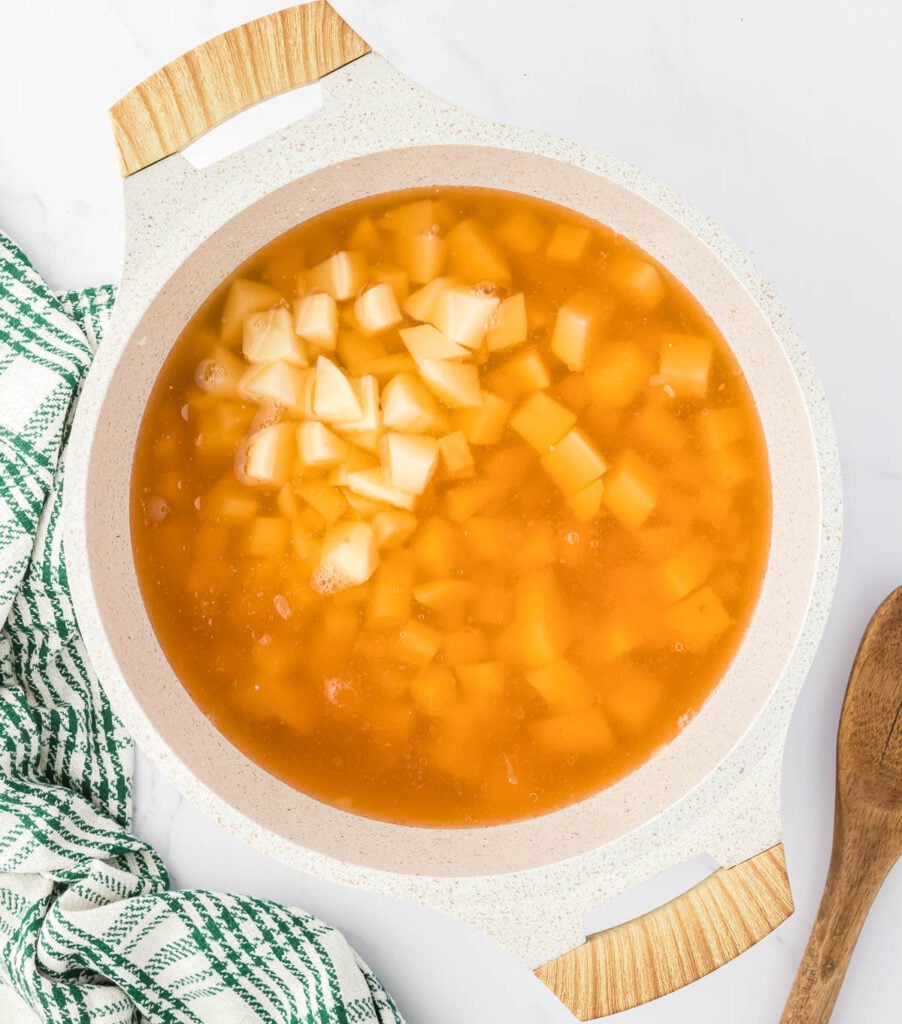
x=89 y=930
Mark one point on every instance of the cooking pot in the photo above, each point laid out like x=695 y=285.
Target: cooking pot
x=715 y=787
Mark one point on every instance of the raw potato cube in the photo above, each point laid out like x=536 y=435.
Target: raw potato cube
x=269 y=454
x=393 y=528
x=618 y=374
x=341 y=275
x=463 y=315
x=473 y=256
x=544 y=625
x=521 y=374
x=356 y=459
x=435 y=548
x=577 y=732
x=632 y=700
x=422 y=255
x=366 y=508
x=348 y=557
x=376 y=309
x=427 y=342
x=415 y=643
x=721 y=427
x=686 y=363
x=561 y=686
x=587 y=502
x=366 y=390
x=574 y=462
x=445 y=594
x=229 y=502
x=698 y=620
x=409 y=460
x=508 y=327
x=482 y=680
x=686 y=569
x=334 y=399
x=567 y=244
x=221 y=373
x=278 y=382
x=434 y=690
x=267 y=537
x=523 y=233
x=541 y=421
x=455 y=384
x=325 y=500
x=637 y=281
x=364 y=234
x=244 y=299
x=574 y=391
x=486 y=424
x=631 y=490
x=420 y=305
x=372 y=483
x=318 y=446
x=658 y=428
x=389 y=603
x=396 y=279
x=455 y=452
x=465 y=500
x=269 y=337
x=419 y=216
x=576 y=329
x=407 y=405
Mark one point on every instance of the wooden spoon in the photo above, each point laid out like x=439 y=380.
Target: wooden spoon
x=867 y=832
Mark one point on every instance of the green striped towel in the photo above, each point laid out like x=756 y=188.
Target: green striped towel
x=89 y=930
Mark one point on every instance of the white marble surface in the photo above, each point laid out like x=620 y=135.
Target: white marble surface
x=780 y=120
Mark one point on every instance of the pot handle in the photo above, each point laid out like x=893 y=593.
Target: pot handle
x=678 y=943
x=226 y=75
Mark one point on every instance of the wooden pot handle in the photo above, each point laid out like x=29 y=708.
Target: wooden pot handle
x=226 y=75
x=679 y=942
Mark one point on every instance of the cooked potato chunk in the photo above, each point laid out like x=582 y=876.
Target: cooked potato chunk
x=318 y=446
x=407 y=405
x=544 y=627
x=244 y=299
x=348 y=556
x=463 y=315
x=618 y=373
x=341 y=275
x=268 y=454
x=376 y=309
x=485 y=424
x=508 y=327
x=686 y=363
x=316 y=320
x=269 y=337
x=699 y=619
x=278 y=382
x=455 y=384
x=575 y=334
x=409 y=460
x=574 y=462
x=372 y=483
x=427 y=342
x=567 y=244
x=334 y=399
x=637 y=281
x=420 y=305
x=473 y=256
x=456 y=453
x=561 y=686
x=631 y=490
x=393 y=528
x=541 y=421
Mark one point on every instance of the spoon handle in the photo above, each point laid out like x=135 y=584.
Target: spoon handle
x=857 y=870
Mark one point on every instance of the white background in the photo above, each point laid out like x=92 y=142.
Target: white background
x=782 y=121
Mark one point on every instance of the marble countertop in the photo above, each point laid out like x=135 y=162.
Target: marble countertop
x=776 y=119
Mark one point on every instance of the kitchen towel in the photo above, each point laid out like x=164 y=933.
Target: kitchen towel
x=89 y=928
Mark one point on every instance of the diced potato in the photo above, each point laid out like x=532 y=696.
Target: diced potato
x=631 y=490
x=342 y=275
x=229 y=502
x=586 y=503
x=488 y=538
x=576 y=732
x=455 y=453
x=278 y=382
x=389 y=602
x=364 y=234
x=267 y=537
x=376 y=309
x=357 y=458
x=523 y=233
x=618 y=373
x=486 y=424
x=244 y=299
x=466 y=500
x=541 y=421
x=698 y=620
x=567 y=244
x=221 y=373
x=463 y=315
x=508 y=327
x=632 y=699
x=509 y=464
x=521 y=374
x=435 y=548
x=576 y=330
x=334 y=399
x=465 y=646
x=366 y=391
x=537 y=547
x=427 y=342
x=686 y=363
x=269 y=453
x=269 y=337
x=415 y=643
x=444 y=594
x=637 y=281
x=434 y=690
x=422 y=255
x=372 y=483
x=348 y=556
x=482 y=680
x=384 y=368
x=318 y=446
x=366 y=508
x=721 y=427
x=409 y=460
x=396 y=279
x=544 y=625
x=420 y=305
x=686 y=569
x=393 y=528
x=326 y=500
x=574 y=462
x=419 y=216
x=455 y=384
x=658 y=428
x=356 y=351
x=574 y=391
x=473 y=256
x=407 y=405
x=561 y=686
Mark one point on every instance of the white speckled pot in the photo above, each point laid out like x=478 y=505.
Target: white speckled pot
x=715 y=788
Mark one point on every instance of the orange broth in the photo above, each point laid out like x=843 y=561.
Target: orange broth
x=579 y=566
